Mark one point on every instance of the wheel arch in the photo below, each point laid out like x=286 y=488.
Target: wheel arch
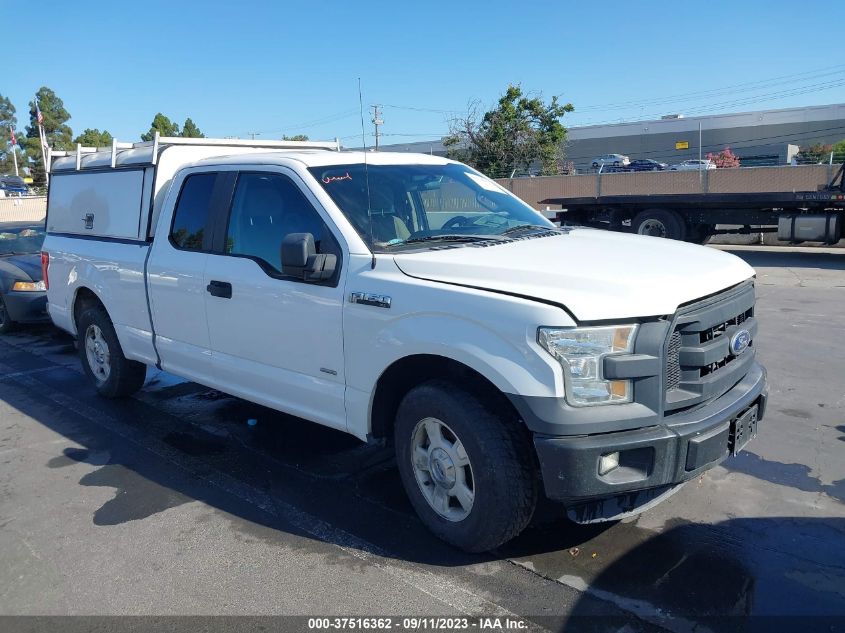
x=84 y=297
x=405 y=373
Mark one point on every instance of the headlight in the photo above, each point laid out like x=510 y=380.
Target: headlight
x=28 y=286
x=581 y=351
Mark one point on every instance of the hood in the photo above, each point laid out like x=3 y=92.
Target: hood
x=595 y=274
x=29 y=265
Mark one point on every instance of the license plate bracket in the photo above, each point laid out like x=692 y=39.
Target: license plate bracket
x=743 y=429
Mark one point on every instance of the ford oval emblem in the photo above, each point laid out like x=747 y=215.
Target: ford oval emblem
x=740 y=342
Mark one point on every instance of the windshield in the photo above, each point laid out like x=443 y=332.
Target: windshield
x=20 y=238
x=410 y=205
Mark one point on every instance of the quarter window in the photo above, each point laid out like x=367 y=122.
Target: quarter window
x=191 y=216
x=266 y=208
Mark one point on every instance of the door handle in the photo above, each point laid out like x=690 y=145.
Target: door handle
x=222 y=289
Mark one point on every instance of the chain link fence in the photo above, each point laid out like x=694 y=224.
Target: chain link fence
x=26 y=209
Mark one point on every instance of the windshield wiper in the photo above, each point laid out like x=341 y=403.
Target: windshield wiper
x=450 y=237
x=519 y=228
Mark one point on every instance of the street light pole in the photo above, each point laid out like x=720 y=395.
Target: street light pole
x=699 y=145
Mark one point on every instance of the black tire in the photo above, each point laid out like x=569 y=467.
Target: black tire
x=6 y=323
x=501 y=457
x=125 y=376
x=699 y=233
x=659 y=223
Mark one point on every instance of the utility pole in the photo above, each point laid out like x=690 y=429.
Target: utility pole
x=377 y=121
x=252 y=135
x=699 y=144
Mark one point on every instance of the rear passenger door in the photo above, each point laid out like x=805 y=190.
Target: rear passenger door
x=176 y=279
x=275 y=339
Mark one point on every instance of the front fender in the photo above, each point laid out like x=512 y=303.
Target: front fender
x=513 y=366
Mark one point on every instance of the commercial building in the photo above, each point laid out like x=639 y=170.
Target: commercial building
x=763 y=137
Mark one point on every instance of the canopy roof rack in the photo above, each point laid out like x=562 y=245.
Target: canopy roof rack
x=147 y=152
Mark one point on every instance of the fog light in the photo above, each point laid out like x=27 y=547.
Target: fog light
x=608 y=462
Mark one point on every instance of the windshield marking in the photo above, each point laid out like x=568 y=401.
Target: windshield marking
x=329 y=179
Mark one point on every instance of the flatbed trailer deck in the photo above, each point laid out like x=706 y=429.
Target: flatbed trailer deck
x=796 y=216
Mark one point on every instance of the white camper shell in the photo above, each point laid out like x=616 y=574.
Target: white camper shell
x=121 y=190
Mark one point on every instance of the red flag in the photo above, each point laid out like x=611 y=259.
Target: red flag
x=12 y=140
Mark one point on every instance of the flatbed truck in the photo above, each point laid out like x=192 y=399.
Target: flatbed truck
x=796 y=216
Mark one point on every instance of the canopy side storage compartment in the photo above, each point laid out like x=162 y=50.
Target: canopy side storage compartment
x=112 y=203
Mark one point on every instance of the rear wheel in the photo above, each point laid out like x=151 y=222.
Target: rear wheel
x=659 y=223
x=6 y=323
x=102 y=358
x=699 y=233
x=468 y=471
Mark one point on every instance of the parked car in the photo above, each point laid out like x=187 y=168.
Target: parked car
x=645 y=164
x=22 y=294
x=408 y=299
x=613 y=160
x=693 y=165
x=12 y=186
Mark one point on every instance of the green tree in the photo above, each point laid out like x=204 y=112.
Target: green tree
x=818 y=153
x=518 y=133
x=56 y=130
x=8 y=121
x=839 y=151
x=190 y=130
x=94 y=138
x=163 y=125
x=295 y=137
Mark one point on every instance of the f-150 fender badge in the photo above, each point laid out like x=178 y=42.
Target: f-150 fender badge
x=740 y=342
x=368 y=299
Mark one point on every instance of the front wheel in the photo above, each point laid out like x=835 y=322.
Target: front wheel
x=468 y=470
x=113 y=374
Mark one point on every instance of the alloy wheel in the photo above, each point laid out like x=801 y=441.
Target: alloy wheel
x=442 y=469
x=97 y=353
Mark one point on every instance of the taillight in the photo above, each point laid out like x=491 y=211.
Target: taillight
x=45 y=265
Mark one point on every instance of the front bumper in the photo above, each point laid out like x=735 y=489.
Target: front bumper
x=655 y=460
x=26 y=307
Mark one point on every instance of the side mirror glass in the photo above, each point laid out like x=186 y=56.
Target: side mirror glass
x=301 y=260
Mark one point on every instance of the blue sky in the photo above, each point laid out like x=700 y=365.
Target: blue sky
x=292 y=67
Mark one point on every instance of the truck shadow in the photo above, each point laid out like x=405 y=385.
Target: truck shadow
x=789 y=259
x=178 y=442
x=713 y=575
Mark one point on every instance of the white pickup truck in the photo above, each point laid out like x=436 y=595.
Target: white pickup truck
x=409 y=299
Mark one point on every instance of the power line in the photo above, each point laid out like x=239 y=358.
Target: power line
x=741 y=87
x=416 y=109
x=331 y=118
x=725 y=105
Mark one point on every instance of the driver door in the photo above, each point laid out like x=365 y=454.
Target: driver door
x=275 y=339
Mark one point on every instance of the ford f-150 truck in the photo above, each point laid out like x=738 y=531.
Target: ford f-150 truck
x=409 y=299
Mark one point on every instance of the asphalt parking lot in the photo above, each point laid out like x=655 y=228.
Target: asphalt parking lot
x=170 y=503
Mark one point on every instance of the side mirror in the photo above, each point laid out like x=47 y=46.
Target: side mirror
x=300 y=258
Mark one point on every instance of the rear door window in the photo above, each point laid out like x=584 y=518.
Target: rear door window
x=190 y=220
